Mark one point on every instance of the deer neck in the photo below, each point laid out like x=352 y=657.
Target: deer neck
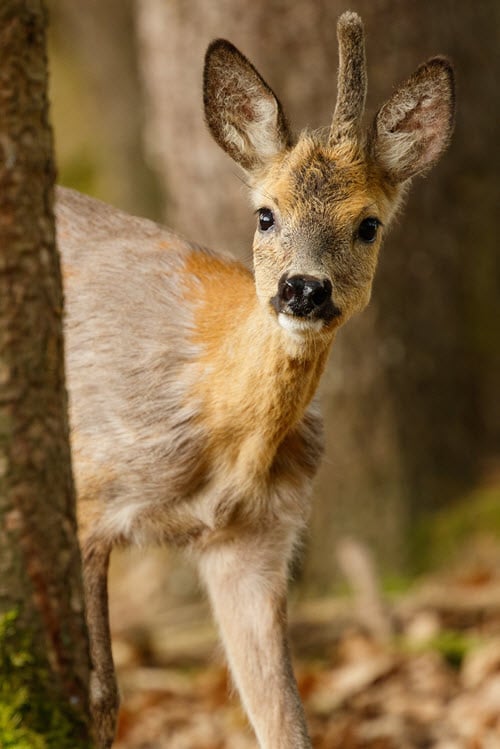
x=255 y=379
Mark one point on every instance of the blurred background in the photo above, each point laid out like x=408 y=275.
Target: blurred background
x=411 y=395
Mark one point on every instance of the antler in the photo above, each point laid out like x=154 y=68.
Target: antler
x=351 y=89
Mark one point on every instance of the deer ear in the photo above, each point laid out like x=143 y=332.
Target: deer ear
x=242 y=112
x=413 y=128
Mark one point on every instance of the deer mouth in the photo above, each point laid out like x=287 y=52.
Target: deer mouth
x=299 y=325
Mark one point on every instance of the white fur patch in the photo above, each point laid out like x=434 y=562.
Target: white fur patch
x=119 y=519
x=96 y=690
x=299 y=326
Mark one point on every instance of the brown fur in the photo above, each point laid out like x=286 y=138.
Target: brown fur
x=192 y=390
x=231 y=82
x=351 y=88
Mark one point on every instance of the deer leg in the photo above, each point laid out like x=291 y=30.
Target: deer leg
x=104 y=700
x=246 y=582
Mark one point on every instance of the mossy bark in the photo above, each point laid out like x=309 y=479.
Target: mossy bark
x=44 y=663
x=30 y=717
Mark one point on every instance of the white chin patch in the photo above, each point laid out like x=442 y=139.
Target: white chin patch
x=298 y=325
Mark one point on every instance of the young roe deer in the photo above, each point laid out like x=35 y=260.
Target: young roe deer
x=191 y=380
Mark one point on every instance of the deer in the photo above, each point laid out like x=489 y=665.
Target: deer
x=192 y=379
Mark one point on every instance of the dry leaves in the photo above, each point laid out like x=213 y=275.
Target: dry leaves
x=435 y=684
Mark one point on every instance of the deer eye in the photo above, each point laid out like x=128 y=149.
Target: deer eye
x=367 y=230
x=266 y=219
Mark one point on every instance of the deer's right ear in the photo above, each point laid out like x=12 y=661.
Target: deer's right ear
x=413 y=128
x=242 y=112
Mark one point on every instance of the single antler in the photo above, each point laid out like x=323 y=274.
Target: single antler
x=351 y=89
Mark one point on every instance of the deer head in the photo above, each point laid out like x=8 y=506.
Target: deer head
x=324 y=203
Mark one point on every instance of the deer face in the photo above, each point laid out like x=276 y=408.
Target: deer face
x=323 y=205
x=321 y=213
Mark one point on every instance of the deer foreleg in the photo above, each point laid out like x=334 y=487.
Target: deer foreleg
x=246 y=581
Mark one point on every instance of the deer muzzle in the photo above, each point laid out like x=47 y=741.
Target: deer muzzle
x=305 y=296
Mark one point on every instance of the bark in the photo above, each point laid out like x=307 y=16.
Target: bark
x=437 y=291
x=44 y=660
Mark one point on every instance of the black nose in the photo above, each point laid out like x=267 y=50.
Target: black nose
x=305 y=291
x=305 y=296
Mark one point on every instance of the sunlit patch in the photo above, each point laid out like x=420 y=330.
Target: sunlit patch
x=299 y=325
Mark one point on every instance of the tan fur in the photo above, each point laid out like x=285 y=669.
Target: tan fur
x=247 y=413
x=192 y=381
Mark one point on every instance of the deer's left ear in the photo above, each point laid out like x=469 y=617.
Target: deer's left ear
x=413 y=128
x=242 y=112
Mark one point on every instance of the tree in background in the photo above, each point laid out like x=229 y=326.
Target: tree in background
x=406 y=398
x=409 y=396
x=96 y=72
x=44 y=664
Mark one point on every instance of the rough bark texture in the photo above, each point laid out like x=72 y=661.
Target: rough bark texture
x=408 y=395
x=44 y=666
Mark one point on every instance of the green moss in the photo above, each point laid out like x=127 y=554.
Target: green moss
x=442 y=537
x=14 y=734
x=30 y=715
x=452 y=644
x=79 y=171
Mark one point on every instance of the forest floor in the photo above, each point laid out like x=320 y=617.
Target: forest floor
x=419 y=670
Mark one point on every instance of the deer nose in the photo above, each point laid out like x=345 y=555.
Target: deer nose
x=305 y=290
x=305 y=296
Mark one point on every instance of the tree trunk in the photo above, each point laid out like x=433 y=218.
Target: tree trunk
x=44 y=664
x=408 y=394
x=294 y=46
x=101 y=41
